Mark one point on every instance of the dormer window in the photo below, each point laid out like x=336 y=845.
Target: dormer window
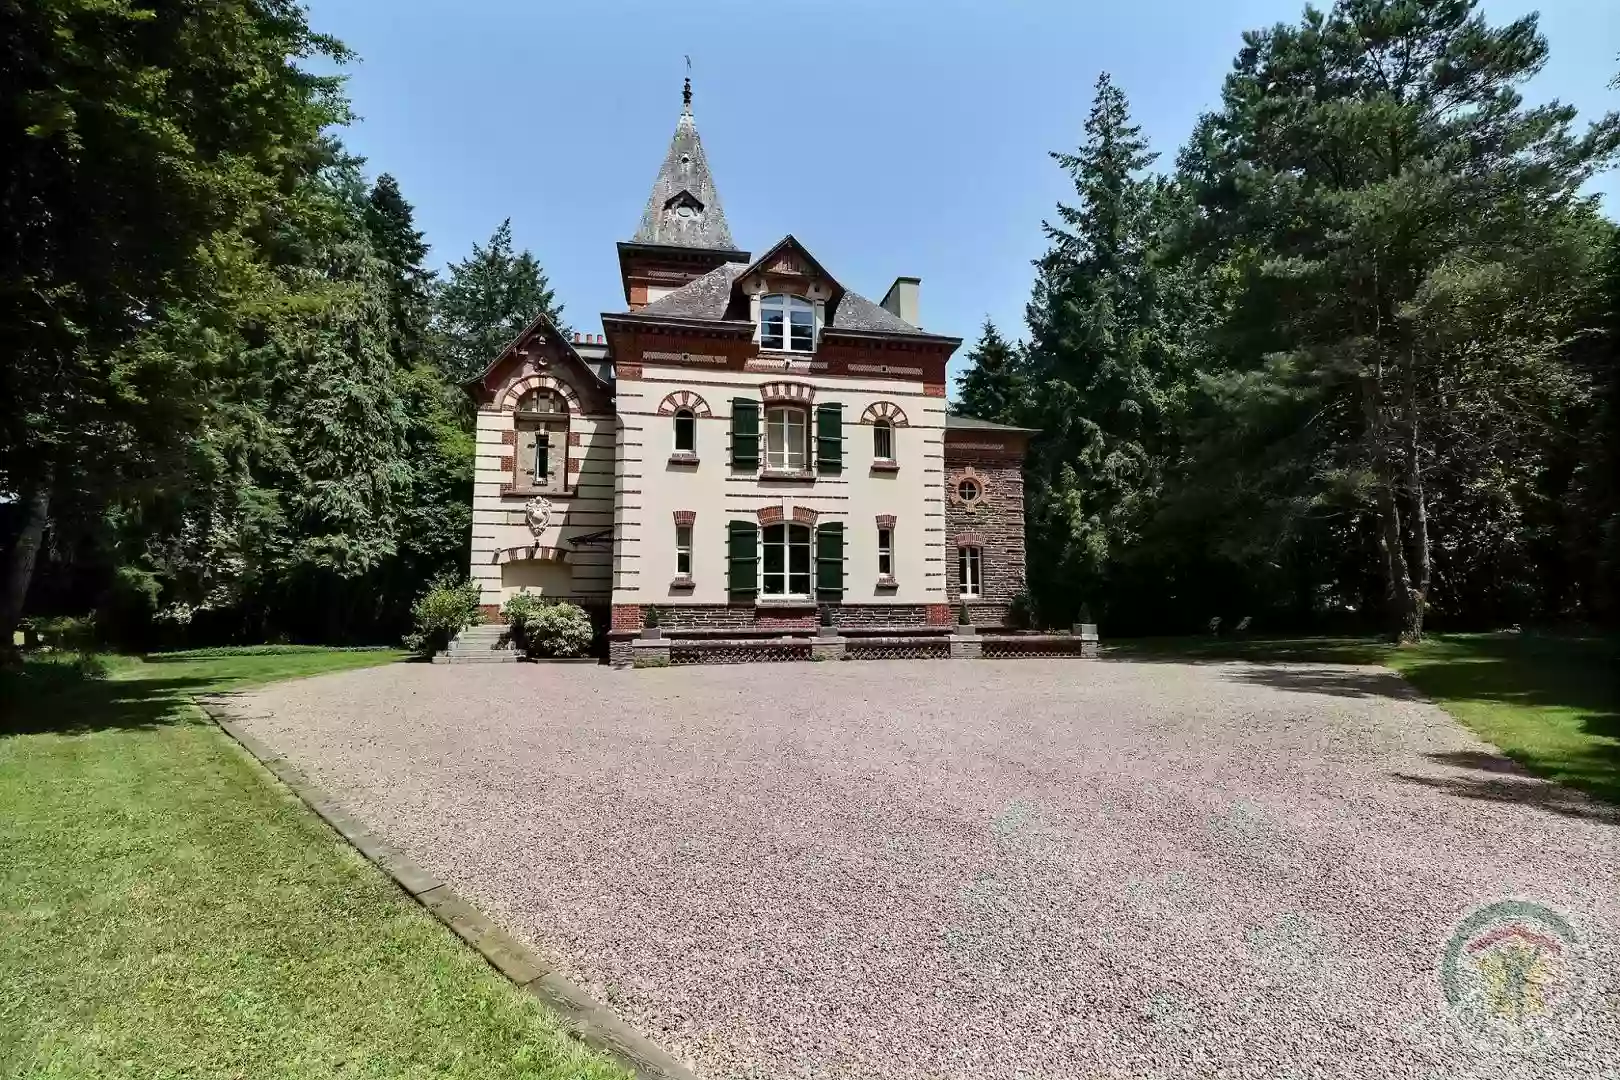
x=787 y=323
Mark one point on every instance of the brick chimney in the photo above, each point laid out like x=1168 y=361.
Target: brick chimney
x=901 y=300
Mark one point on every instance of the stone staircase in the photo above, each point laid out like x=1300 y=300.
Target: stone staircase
x=479 y=645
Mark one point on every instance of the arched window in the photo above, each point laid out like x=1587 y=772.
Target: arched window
x=883 y=440
x=685 y=432
x=541 y=461
x=785 y=561
x=787 y=323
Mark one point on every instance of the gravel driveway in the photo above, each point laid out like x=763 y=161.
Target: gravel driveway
x=1021 y=869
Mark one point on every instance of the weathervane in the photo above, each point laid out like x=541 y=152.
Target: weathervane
x=686 y=91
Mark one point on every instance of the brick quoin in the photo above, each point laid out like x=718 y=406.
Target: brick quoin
x=574 y=439
x=509 y=437
x=508 y=463
x=940 y=615
x=626 y=617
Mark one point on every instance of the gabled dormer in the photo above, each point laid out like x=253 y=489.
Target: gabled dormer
x=789 y=294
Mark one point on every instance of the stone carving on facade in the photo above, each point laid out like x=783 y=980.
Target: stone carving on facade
x=537 y=514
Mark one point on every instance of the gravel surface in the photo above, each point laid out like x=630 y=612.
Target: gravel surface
x=1021 y=869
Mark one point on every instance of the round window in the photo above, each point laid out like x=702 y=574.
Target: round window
x=968 y=490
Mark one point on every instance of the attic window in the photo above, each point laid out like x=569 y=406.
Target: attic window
x=787 y=323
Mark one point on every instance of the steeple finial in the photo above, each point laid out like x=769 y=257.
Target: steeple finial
x=686 y=91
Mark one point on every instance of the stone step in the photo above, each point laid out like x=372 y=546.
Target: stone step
x=477 y=658
x=461 y=648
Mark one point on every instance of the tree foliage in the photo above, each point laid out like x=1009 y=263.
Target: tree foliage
x=487 y=300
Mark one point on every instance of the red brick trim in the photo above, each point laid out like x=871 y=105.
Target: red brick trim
x=509 y=437
x=685 y=399
x=515 y=392
x=803 y=515
x=508 y=463
x=628 y=617
x=685 y=517
x=791 y=393
x=770 y=515
x=573 y=465
x=885 y=521
x=885 y=410
x=530 y=553
x=574 y=439
x=969 y=539
x=508 y=488
x=940 y=615
x=933 y=389
x=628 y=371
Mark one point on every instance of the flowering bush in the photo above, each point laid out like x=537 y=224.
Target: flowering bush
x=448 y=607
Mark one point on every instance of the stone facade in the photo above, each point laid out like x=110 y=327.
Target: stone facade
x=749 y=442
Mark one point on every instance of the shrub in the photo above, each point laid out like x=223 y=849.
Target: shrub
x=560 y=629
x=963 y=617
x=1021 y=612
x=517 y=611
x=68 y=633
x=1085 y=614
x=826 y=615
x=650 y=618
x=448 y=607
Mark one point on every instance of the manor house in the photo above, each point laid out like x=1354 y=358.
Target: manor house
x=748 y=441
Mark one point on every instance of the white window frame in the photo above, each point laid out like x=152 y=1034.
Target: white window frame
x=683 y=551
x=783 y=306
x=778 y=455
x=882 y=432
x=691 y=418
x=885 y=551
x=970 y=572
x=791 y=532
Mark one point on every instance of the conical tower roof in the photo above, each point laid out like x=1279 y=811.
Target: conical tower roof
x=684 y=208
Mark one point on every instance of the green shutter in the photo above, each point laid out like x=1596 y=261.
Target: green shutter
x=743 y=550
x=830 y=438
x=744 y=434
x=830 y=561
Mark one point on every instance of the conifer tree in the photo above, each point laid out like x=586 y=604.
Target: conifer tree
x=487 y=300
x=994 y=386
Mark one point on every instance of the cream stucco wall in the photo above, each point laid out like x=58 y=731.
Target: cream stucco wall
x=585 y=573
x=652 y=488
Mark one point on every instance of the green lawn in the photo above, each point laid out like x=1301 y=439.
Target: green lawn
x=1551 y=702
x=168 y=910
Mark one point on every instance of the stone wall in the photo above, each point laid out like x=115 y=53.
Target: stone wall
x=994 y=523
x=679 y=617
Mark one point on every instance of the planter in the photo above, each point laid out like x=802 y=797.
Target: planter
x=827 y=631
x=965 y=630
x=652 y=633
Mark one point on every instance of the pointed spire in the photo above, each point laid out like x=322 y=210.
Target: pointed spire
x=684 y=208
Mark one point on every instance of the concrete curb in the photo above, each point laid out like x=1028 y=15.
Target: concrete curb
x=593 y=1023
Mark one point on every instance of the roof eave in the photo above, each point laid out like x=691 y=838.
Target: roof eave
x=632 y=318
x=892 y=335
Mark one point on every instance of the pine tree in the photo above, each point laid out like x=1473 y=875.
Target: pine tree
x=994 y=386
x=489 y=298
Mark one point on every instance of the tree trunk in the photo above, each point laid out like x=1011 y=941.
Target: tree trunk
x=36 y=510
x=1406 y=615
x=1418 y=505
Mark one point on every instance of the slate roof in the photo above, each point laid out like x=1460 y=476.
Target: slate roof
x=685 y=179
x=855 y=312
x=706 y=297
x=955 y=422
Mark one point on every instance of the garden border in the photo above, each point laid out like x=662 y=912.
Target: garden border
x=591 y=1022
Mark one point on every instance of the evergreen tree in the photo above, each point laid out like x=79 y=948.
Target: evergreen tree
x=994 y=386
x=391 y=224
x=487 y=301
x=1102 y=363
x=1413 y=238
x=137 y=150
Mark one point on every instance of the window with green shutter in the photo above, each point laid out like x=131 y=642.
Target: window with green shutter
x=744 y=434
x=830 y=561
x=742 y=579
x=830 y=438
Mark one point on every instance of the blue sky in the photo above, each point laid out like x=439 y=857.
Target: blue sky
x=901 y=137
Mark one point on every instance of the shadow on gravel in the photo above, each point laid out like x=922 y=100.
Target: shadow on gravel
x=1525 y=790
x=1332 y=681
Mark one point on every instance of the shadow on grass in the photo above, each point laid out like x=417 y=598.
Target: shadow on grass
x=34 y=707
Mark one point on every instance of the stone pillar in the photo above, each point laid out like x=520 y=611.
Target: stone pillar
x=966 y=646
x=825 y=647
x=649 y=652
x=1087 y=633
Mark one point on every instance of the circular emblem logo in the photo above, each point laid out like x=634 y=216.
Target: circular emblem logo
x=1510 y=974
